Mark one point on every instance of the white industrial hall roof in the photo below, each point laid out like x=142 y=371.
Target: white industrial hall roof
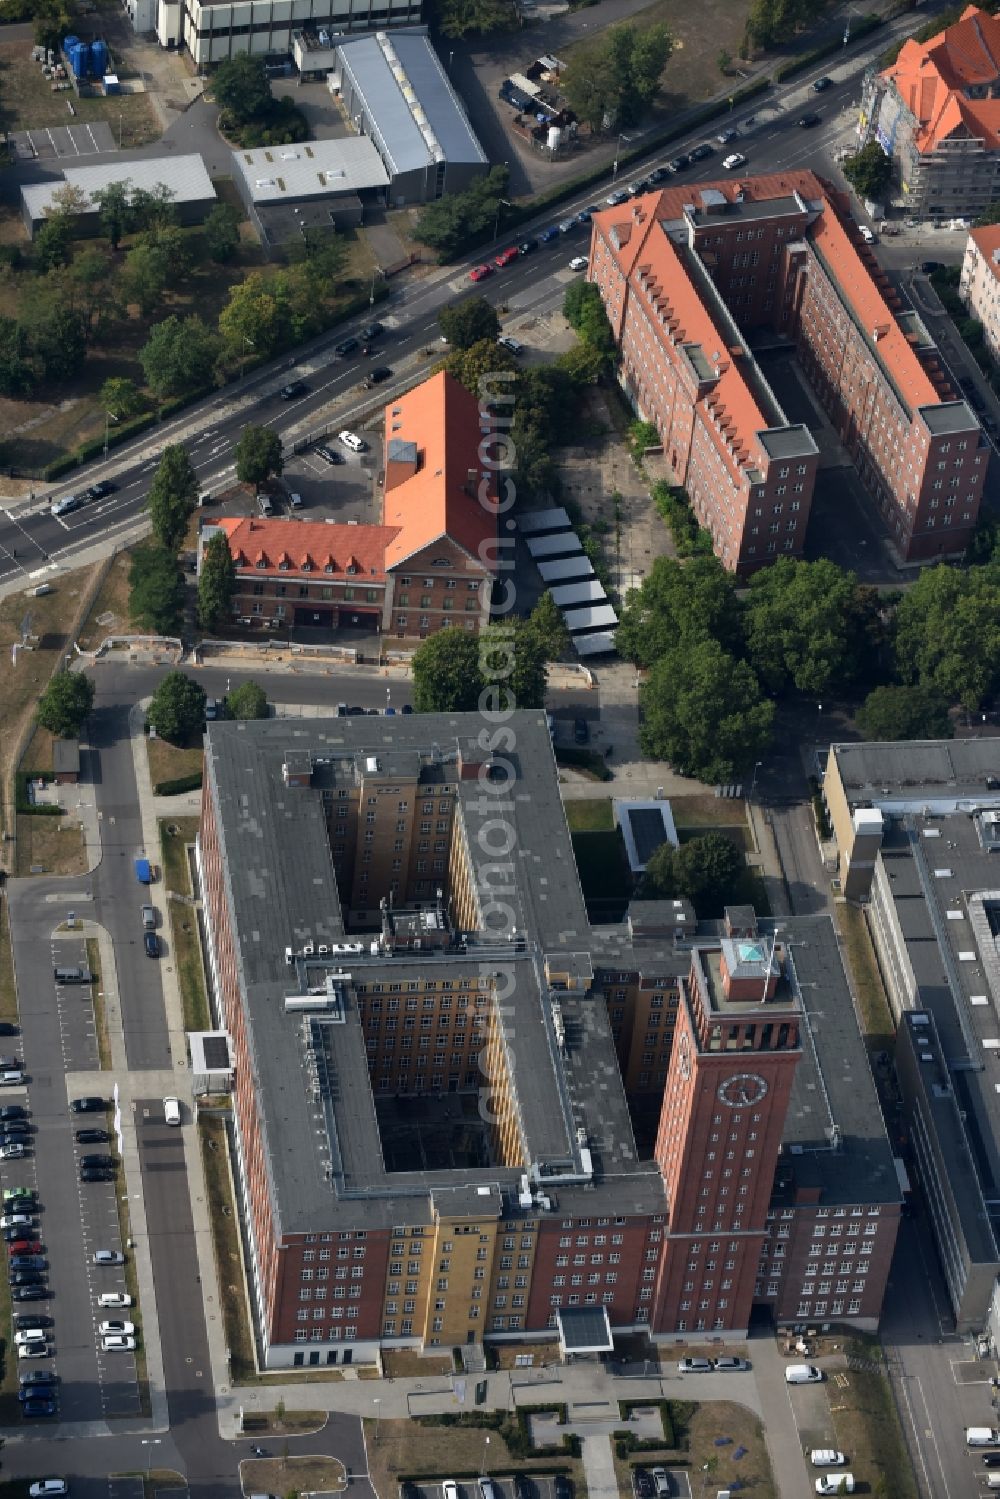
x=590 y=617
x=589 y=592
x=408 y=99
x=598 y=644
x=311 y=169
x=559 y=545
x=185 y=176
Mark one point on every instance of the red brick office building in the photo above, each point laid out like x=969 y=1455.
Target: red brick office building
x=689 y=274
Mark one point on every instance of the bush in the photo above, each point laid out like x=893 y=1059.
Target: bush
x=177 y=784
x=95 y=445
x=689 y=538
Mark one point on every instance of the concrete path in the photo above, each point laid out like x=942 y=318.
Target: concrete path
x=599 y=1467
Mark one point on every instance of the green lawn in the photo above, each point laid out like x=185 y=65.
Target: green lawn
x=593 y=816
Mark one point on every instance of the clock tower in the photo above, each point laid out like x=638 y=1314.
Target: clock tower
x=736 y=1046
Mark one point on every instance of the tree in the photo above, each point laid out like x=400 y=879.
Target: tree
x=252 y=316
x=613 y=78
x=153 y=208
x=17 y=377
x=948 y=633
x=145 y=276
x=446 y=674
x=114 y=210
x=53 y=242
x=179 y=356
x=809 y=626
x=216 y=584
x=904 y=713
x=457 y=221
x=549 y=627
x=222 y=232
x=57 y=338
x=868 y=171
x=679 y=603
x=708 y=871
x=658 y=879
x=258 y=455
x=156 y=590
x=583 y=364
x=512 y=658
x=465 y=323
x=704 y=712
x=121 y=397
x=247 y=701
x=91 y=284
x=65 y=704
x=989 y=215
x=173 y=496
x=583 y=309
x=177 y=709
x=241 y=89
x=458 y=18
x=472 y=366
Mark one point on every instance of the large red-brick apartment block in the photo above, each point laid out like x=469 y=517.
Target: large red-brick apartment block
x=429 y=563
x=688 y=277
x=463 y=1113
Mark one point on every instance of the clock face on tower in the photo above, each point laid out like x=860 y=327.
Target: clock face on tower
x=742 y=1090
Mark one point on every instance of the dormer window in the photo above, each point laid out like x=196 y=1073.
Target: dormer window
x=351 y=568
x=282 y=566
x=260 y=563
x=328 y=567
x=306 y=565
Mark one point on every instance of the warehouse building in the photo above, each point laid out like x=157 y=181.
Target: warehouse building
x=314 y=187
x=185 y=178
x=436 y=1058
x=212 y=30
x=394 y=89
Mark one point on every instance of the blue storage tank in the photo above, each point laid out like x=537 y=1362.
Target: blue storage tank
x=79 y=58
x=98 y=58
x=70 y=41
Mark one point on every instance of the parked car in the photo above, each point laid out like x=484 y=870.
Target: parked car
x=480 y=272
x=293 y=389
x=107 y=1162
x=172 y=1111
x=729 y=1364
x=20 y=1194
x=506 y=257
x=822 y=84
x=26 y=1277
x=678 y=163
x=803 y=1374
x=449 y=1489
x=329 y=455
x=642 y=1484
x=527 y=246
x=117 y=1345
x=29 y=1262
x=48 y=1486
x=24 y=1321
x=733 y=160
x=694 y=1366
x=10 y=1129
x=614 y=199
x=725 y=136
x=15 y=1223
x=353 y=441
x=43 y=1405
x=868 y=235
x=581 y=730
x=549 y=234
x=827 y=1457
x=835 y=1483
x=30 y=1335
x=295 y=502
x=31 y=1293
x=345 y=347
x=44 y=1390
x=96 y=1174
x=566 y=226
x=119 y=1329
x=12 y=1151
x=114 y=1299
x=108 y=1257
x=88 y=1105
x=702 y=152
x=511 y=344
x=930 y=266
x=657 y=174
x=578 y=263
x=12 y=1077
x=151 y=943
x=661 y=1482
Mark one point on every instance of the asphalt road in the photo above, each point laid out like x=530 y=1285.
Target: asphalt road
x=770 y=139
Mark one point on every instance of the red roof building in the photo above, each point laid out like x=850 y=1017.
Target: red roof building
x=936 y=112
x=430 y=564
x=688 y=274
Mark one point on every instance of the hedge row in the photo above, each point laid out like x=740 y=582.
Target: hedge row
x=177 y=784
x=669 y=1438
x=859 y=28
x=22 y=802
x=90 y=449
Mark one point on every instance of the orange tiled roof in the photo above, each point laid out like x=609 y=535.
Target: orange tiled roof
x=307 y=548
x=987 y=242
x=828 y=231
x=932 y=78
x=442 y=418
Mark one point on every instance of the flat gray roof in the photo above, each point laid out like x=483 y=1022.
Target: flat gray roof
x=409 y=101
x=787 y=442
x=553 y=519
x=310 y=169
x=588 y=592
x=589 y=617
x=949 y=416
x=557 y=545
x=917 y=772
x=185 y=176
x=565 y=568
x=598 y=644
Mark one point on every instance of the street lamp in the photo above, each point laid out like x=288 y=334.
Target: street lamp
x=108 y=417
x=388 y=697
x=483 y=1464
x=753 y=779
x=501 y=204
x=376 y=271
x=618 y=145
x=150 y=1442
x=376 y=1402
x=247 y=343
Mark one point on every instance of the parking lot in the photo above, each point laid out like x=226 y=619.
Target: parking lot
x=70 y=1219
x=528 y=1487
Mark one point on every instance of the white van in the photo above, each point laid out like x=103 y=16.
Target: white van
x=993 y=1481
x=803 y=1374
x=835 y=1483
x=981 y=1436
x=171 y=1111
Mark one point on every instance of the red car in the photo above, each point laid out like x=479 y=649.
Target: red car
x=506 y=256
x=480 y=272
x=25 y=1246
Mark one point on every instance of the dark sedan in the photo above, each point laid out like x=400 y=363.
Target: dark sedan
x=330 y=455
x=294 y=389
x=24 y=1278
x=107 y=1162
x=96 y=1174
x=30 y=1293
x=34 y=1409
x=89 y=1105
x=92 y=1136
x=347 y=346
x=101 y=489
x=376 y=376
